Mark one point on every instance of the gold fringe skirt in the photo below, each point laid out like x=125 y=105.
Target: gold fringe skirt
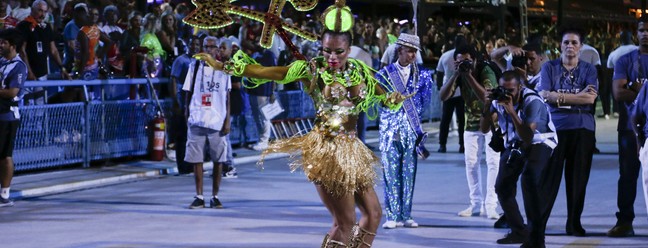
x=341 y=163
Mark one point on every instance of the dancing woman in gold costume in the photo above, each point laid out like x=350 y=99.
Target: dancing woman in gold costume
x=338 y=163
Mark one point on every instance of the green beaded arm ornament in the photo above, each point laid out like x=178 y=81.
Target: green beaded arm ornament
x=236 y=66
x=372 y=100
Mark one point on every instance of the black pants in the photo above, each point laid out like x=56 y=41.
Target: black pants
x=629 y=165
x=180 y=124
x=605 y=93
x=506 y=189
x=455 y=104
x=574 y=154
x=535 y=183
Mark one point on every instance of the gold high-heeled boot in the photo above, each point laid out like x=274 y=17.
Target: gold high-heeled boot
x=329 y=243
x=357 y=240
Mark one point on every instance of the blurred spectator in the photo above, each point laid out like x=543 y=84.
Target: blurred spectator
x=86 y=63
x=184 y=30
x=261 y=95
x=110 y=27
x=6 y=20
x=22 y=11
x=168 y=36
x=70 y=34
x=153 y=65
x=179 y=72
x=130 y=40
x=39 y=43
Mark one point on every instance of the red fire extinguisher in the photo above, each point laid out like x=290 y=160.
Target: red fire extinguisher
x=157 y=142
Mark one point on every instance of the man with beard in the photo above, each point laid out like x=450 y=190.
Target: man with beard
x=12 y=80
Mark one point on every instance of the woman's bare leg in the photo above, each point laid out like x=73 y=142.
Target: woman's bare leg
x=342 y=209
x=371 y=213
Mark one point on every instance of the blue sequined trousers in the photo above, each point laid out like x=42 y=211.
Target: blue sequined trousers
x=397 y=145
x=399 y=162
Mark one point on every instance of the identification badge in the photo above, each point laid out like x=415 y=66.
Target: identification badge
x=39 y=46
x=206 y=99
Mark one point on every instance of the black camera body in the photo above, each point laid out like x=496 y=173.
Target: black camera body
x=519 y=61
x=499 y=94
x=465 y=65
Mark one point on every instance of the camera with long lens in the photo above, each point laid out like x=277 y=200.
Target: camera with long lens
x=499 y=94
x=519 y=61
x=465 y=65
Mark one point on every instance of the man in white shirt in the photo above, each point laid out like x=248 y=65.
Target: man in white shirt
x=362 y=55
x=208 y=107
x=627 y=45
x=445 y=69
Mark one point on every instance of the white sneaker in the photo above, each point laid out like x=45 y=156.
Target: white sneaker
x=390 y=224
x=260 y=146
x=468 y=212
x=411 y=224
x=492 y=214
x=400 y=224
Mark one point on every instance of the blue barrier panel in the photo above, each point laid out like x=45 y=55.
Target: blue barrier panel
x=49 y=135
x=119 y=128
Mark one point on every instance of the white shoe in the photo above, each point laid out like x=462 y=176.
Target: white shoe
x=260 y=146
x=400 y=224
x=390 y=224
x=411 y=224
x=469 y=212
x=492 y=214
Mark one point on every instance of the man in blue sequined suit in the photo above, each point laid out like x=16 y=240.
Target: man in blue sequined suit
x=401 y=134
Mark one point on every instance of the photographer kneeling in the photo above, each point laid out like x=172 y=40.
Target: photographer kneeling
x=529 y=141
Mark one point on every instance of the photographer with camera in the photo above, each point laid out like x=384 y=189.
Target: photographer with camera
x=530 y=139
x=526 y=60
x=569 y=87
x=473 y=85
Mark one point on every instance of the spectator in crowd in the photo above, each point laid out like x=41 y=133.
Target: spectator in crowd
x=261 y=95
x=70 y=33
x=569 y=87
x=455 y=104
x=402 y=138
x=184 y=31
x=87 y=52
x=14 y=73
x=590 y=55
x=6 y=20
x=179 y=71
x=358 y=53
x=240 y=104
x=629 y=75
x=473 y=85
x=23 y=11
x=167 y=35
x=225 y=52
x=110 y=27
x=530 y=139
x=627 y=45
x=154 y=64
x=208 y=108
x=131 y=40
x=39 y=43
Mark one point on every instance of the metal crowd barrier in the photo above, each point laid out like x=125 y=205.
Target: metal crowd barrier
x=55 y=135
